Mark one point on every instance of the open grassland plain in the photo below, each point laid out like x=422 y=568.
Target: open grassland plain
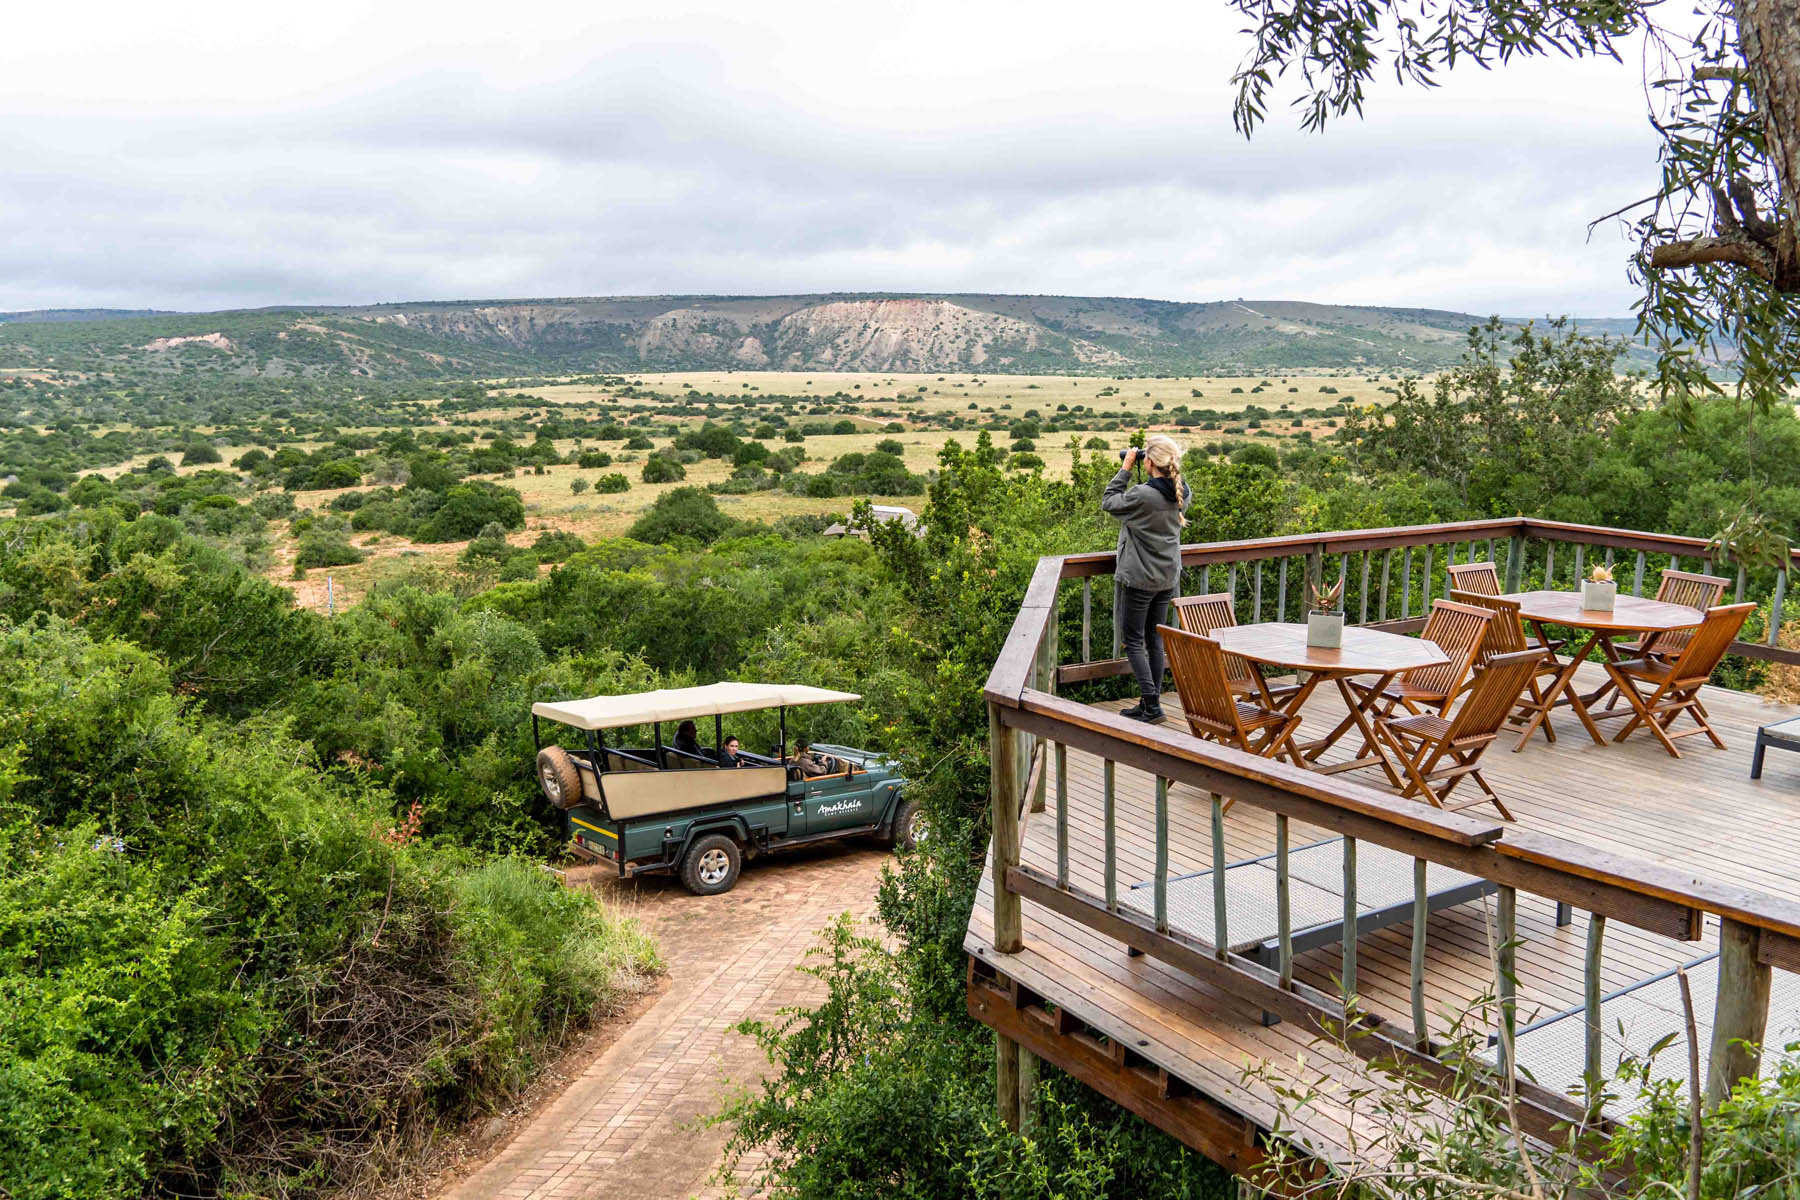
x=950 y=393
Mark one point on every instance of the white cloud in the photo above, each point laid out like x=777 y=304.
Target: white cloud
x=217 y=156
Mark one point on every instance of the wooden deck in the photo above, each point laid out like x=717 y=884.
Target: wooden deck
x=1701 y=814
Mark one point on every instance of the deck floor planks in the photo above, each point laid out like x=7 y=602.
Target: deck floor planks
x=1701 y=813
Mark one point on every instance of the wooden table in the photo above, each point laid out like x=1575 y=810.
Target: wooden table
x=1364 y=652
x=1630 y=614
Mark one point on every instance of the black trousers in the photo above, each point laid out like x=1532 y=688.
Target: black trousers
x=1140 y=612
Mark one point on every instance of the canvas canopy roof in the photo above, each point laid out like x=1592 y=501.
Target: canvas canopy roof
x=676 y=704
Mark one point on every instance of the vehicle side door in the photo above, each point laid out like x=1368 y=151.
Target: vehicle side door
x=839 y=801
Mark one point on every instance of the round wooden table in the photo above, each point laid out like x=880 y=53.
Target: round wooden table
x=1630 y=614
x=1364 y=652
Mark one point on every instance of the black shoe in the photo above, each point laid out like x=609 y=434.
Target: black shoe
x=1135 y=712
x=1153 y=716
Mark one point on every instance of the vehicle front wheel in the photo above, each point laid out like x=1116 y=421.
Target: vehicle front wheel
x=712 y=865
x=910 y=826
x=558 y=777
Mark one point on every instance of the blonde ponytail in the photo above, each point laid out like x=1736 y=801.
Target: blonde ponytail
x=1164 y=453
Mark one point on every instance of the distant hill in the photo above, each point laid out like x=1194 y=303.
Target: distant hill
x=852 y=332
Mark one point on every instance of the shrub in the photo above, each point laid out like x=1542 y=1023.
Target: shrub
x=612 y=483
x=638 y=441
x=684 y=514
x=594 y=459
x=323 y=548
x=662 y=469
x=199 y=453
x=578 y=485
x=468 y=507
x=555 y=545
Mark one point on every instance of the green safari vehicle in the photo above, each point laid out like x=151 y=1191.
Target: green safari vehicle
x=660 y=808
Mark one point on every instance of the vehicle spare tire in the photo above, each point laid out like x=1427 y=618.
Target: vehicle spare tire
x=558 y=777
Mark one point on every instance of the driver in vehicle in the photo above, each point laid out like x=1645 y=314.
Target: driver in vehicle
x=811 y=764
x=687 y=740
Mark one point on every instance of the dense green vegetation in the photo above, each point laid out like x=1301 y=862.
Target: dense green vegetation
x=273 y=817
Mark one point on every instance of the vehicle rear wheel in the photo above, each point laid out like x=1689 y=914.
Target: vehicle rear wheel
x=558 y=777
x=910 y=827
x=712 y=865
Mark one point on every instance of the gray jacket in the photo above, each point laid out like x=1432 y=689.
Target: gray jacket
x=1149 y=533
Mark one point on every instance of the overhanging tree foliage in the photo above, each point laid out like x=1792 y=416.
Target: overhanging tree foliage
x=1719 y=256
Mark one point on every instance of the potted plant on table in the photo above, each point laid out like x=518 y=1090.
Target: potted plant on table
x=1598 y=591
x=1325 y=620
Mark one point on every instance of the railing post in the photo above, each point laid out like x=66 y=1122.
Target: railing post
x=1549 y=566
x=1284 y=918
x=1160 y=891
x=1592 y=1068
x=1087 y=619
x=1028 y=1097
x=1387 y=562
x=1507 y=981
x=1637 y=576
x=1776 y=605
x=1256 y=589
x=1740 y=1014
x=1281 y=593
x=1405 y=582
x=1004 y=788
x=1421 y=913
x=1515 y=562
x=1221 y=935
x=1363 y=595
x=1112 y=837
x=1349 y=953
x=1062 y=816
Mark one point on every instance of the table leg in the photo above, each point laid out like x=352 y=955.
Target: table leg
x=1358 y=717
x=1564 y=683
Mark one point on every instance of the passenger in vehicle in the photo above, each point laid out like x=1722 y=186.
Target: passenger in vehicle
x=728 y=755
x=811 y=764
x=687 y=740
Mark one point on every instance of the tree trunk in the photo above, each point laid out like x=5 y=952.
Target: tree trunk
x=1769 y=37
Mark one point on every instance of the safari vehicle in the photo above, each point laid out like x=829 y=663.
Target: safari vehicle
x=657 y=808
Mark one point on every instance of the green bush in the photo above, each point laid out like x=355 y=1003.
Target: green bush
x=686 y=514
x=660 y=468
x=612 y=483
x=320 y=548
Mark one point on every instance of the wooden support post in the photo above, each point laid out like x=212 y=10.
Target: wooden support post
x=1740 y=1014
x=1405 y=582
x=1161 y=890
x=1775 y=606
x=1062 y=815
x=1087 y=620
x=1738 y=596
x=1592 y=1070
x=1281 y=594
x=1004 y=791
x=1637 y=576
x=1006 y=1080
x=1112 y=838
x=1507 y=975
x=1362 y=617
x=1387 y=562
x=1256 y=589
x=1221 y=936
x=1349 y=963
x=1206 y=579
x=1231 y=587
x=1284 y=913
x=1550 y=566
x=1028 y=1093
x=1580 y=563
x=1421 y=915
x=1515 y=562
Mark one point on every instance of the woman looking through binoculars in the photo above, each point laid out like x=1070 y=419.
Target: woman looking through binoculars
x=1151 y=517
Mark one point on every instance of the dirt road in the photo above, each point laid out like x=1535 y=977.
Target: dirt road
x=630 y=1124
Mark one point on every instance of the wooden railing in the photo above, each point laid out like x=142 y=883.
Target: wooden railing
x=1390 y=575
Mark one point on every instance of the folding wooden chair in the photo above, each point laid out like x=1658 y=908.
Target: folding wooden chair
x=1202 y=615
x=1482 y=578
x=1458 y=630
x=1213 y=711
x=1672 y=686
x=1698 y=592
x=1506 y=635
x=1438 y=753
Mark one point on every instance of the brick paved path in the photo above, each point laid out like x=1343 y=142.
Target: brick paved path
x=629 y=1124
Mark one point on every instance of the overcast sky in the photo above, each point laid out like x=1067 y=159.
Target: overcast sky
x=216 y=156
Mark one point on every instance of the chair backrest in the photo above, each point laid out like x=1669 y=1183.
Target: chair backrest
x=1482 y=578
x=1204 y=614
x=1689 y=588
x=1496 y=690
x=1708 y=644
x=1199 y=669
x=1458 y=630
x=1505 y=635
